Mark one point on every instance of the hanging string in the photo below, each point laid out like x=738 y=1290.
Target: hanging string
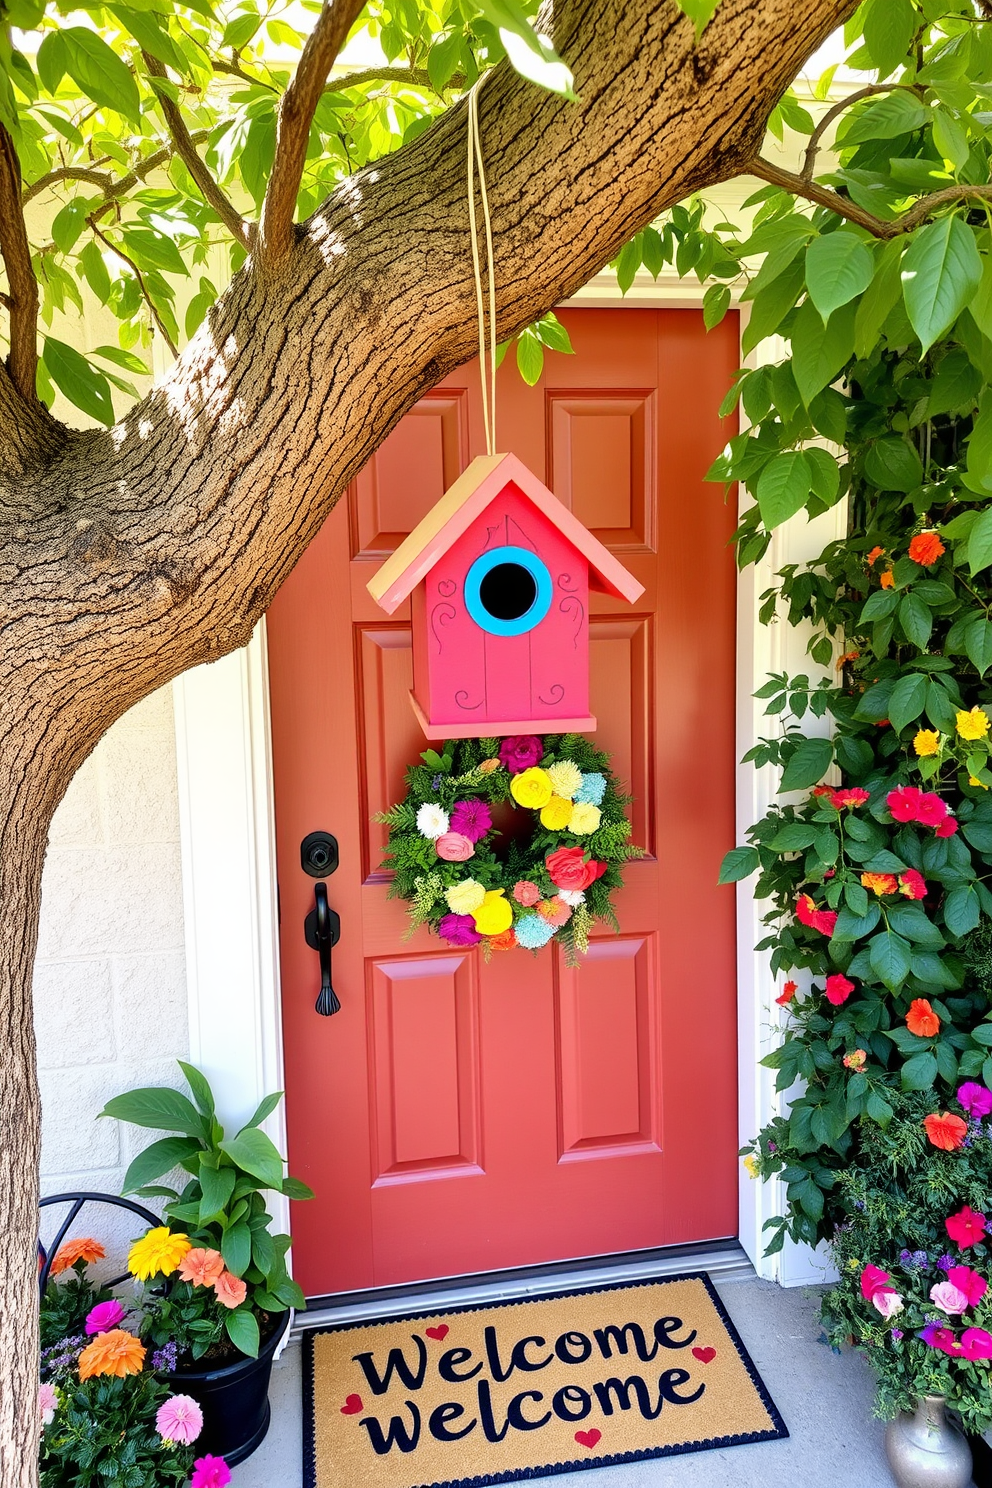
x=475 y=158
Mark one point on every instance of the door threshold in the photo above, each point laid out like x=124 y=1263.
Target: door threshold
x=723 y=1260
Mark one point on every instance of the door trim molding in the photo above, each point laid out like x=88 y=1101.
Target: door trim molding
x=227 y=835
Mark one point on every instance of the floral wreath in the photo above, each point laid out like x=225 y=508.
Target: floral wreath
x=443 y=842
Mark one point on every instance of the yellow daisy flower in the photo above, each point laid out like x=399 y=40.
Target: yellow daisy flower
x=566 y=777
x=157 y=1253
x=585 y=818
x=465 y=897
x=973 y=724
x=557 y=814
x=927 y=741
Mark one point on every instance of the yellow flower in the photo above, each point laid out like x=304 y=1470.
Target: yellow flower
x=557 y=814
x=464 y=897
x=494 y=914
x=157 y=1253
x=927 y=741
x=531 y=788
x=585 y=818
x=972 y=725
x=751 y=1165
x=973 y=780
x=566 y=777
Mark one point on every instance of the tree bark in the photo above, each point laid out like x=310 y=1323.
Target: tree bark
x=130 y=555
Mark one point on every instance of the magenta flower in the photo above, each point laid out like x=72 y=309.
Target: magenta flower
x=967 y=1227
x=975 y=1099
x=210 y=1472
x=969 y=1282
x=521 y=752
x=105 y=1316
x=458 y=930
x=874 y=1279
x=179 y=1419
x=976 y=1344
x=940 y=1338
x=472 y=819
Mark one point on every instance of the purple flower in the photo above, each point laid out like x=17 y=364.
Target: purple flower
x=946 y=1262
x=975 y=1099
x=521 y=752
x=472 y=819
x=165 y=1357
x=104 y=1316
x=458 y=930
x=435 y=782
x=772 y=1146
x=897 y=1334
x=912 y=1260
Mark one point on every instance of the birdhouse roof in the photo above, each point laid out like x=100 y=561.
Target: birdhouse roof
x=467 y=499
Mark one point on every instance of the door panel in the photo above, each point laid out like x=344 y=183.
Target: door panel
x=459 y=1116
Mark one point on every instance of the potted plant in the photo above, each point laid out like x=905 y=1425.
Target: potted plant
x=216 y=1296
x=914 y=1252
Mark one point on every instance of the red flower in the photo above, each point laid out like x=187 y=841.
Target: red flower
x=908 y=803
x=966 y=1227
x=788 y=993
x=904 y=802
x=852 y=795
x=838 y=989
x=947 y=827
x=568 y=868
x=924 y=1022
x=925 y=548
x=874 y=1279
x=807 y=913
x=912 y=884
x=932 y=810
x=822 y=790
x=946 y=1131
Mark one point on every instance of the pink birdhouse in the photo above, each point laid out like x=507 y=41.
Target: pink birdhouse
x=500 y=573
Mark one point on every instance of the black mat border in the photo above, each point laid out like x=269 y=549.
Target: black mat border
x=779 y=1431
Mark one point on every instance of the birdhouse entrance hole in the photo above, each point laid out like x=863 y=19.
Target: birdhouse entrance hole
x=508 y=591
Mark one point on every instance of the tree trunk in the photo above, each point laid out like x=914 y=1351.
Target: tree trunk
x=131 y=555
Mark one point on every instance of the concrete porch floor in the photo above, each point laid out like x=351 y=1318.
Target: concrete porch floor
x=825 y=1400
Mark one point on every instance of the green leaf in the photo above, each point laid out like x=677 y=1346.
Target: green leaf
x=919 y=1072
x=793 y=837
x=266 y=1106
x=950 y=139
x=889 y=27
x=941 y=271
x=253 y=1151
x=808 y=764
x=242 y=1330
x=978 y=643
x=916 y=620
x=980 y=542
x=161 y=1157
x=294 y=1188
x=896 y=113
x=907 y=700
x=716 y=303
x=961 y=909
x=217 y=1186
x=892 y=464
x=153 y=250
x=740 y=862
x=530 y=357
x=52 y=60
x=980 y=449
x=825 y=473
x=981 y=304
x=443 y=60
x=151 y=37
x=530 y=54
x=68 y=224
x=854 y=926
x=820 y=351
x=700 y=12
x=956 y=383
x=838 y=267
x=160 y=1109
x=97 y=277
x=889 y=959
x=880 y=298
x=82 y=384
x=235 y=1247
x=911 y=921
x=196 y=1081
x=100 y=73
x=772 y=304
x=783 y=487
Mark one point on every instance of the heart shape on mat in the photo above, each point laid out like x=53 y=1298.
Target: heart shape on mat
x=352 y=1406
x=704 y=1355
x=440 y=1332
x=588 y=1438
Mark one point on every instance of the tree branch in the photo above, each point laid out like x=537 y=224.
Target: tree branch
x=809 y=159
x=186 y=150
x=296 y=112
x=413 y=77
x=66 y=173
x=115 y=248
x=22 y=285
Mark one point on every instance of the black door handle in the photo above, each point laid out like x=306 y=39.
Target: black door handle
x=322 y=930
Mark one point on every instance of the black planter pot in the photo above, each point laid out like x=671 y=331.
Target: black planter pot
x=234 y=1401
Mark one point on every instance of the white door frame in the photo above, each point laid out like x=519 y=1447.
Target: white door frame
x=229 y=863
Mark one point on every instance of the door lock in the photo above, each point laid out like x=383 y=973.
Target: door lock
x=322 y=930
x=319 y=854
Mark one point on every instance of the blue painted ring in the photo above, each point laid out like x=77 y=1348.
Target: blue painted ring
x=542 y=583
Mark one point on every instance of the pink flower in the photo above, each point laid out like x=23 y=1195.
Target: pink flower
x=231 y=1290
x=975 y=1099
x=966 y=1227
x=969 y=1282
x=851 y=796
x=887 y=1302
x=947 y=827
x=940 y=1338
x=472 y=819
x=454 y=848
x=458 y=930
x=976 y=1344
x=521 y=752
x=525 y=892
x=48 y=1403
x=838 y=989
x=555 y=911
x=948 y=1298
x=874 y=1279
x=200 y=1267
x=179 y=1419
x=105 y=1316
x=807 y=913
x=210 y=1472
x=904 y=803
x=912 y=884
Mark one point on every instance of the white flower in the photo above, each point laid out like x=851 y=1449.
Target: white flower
x=574 y=897
x=888 y=1303
x=432 y=821
x=566 y=777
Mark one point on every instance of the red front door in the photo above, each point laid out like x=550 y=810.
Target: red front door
x=456 y=1116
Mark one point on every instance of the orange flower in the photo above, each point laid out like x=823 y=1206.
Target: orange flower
x=504 y=942
x=855 y=1060
x=882 y=883
x=887 y=581
x=848 y=656
x=946 y=1131
x=921 y=1019
x=201 y=1267
x=76 y=1250
x=117 y=1353
x=231 y=1290
x=925 y=548
x=874 y=555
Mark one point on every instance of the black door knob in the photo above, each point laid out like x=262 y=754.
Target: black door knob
x=322 y=930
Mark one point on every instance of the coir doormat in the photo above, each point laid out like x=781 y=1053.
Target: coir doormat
x=491 y=1394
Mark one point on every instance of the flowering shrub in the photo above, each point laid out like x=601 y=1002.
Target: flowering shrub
x=444 y=842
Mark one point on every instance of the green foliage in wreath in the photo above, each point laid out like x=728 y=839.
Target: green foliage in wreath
x=451 y=863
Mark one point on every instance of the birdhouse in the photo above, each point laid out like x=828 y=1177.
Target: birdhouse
x=500 y=573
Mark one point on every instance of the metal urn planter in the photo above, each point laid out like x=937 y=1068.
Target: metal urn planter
x=234 y=1400
x=925 y=1450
